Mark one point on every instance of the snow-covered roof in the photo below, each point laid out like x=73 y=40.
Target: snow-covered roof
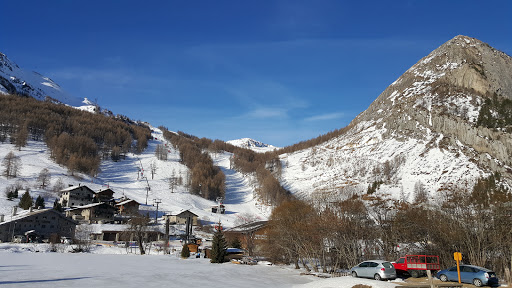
x=126 y=201
x=248 y=226
x=105 y=190
x=87 y=206
x=71 y=188
x=178 y=212
x=26 y=213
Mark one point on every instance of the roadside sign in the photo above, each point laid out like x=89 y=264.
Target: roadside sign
x=457 y=256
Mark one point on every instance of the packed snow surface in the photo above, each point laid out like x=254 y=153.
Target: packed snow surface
x=110 y=270
x=108 y=267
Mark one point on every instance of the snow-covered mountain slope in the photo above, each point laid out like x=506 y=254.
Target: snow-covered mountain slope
x=252 y=144
x=124 y=179
x=15 y=80
x=420 y=129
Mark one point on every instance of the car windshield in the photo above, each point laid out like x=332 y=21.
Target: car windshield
x=387 y=265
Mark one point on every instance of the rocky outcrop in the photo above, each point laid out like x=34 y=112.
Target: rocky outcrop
x=423 y=127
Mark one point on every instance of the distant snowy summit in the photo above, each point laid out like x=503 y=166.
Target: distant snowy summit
x=252 y=144
x=14 y=80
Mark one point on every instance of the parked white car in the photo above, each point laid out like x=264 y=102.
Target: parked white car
x=66 y=240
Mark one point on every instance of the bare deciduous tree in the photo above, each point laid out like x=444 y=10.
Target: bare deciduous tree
x=138 y=230
x=152 y=168
x=12 y=165
x=161 y=152
x=44 y=178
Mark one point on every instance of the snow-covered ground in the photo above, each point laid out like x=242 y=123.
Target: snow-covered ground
x=125 y=180
x=32 y=83
x=252 y=144
x=22 y=268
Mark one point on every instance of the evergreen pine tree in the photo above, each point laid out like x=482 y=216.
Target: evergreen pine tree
x=39 y=202
x=236 y=243
x=26 y=201
x=185 y=252
x=57 y=206
x=218 y=247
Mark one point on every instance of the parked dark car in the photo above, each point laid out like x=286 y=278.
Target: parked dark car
x=376 y=269
x=475 y=275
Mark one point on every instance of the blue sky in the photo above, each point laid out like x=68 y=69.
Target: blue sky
x=276 y=71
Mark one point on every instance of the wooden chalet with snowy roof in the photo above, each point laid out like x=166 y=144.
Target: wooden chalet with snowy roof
x=181 y=216
x=127 y=207
x=74 y=196
x=104 y=195
x=93 y=213
x=36 y=225
x=251 y=235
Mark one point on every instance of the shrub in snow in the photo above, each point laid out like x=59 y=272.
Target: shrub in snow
x=185 y=252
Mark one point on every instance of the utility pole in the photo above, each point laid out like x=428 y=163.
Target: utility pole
x=156 y=202
x=166 y=248
x=147 y=189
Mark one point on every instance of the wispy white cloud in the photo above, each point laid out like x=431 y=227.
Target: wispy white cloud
x=323 y=117
x=265 y=113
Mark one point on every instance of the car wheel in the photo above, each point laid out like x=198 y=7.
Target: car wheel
x=443 y=278
x=354 y=274
x=414 y=274
x=477 y=282
x=377 y=277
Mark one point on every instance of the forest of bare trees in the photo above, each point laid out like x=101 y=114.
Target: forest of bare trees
x=206 y=180
x=341 y=234
x=77 y=139
x=265 y=167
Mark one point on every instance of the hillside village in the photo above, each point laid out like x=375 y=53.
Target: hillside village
x=79 y=205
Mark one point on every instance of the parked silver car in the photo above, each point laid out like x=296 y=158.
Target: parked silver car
x=376 y=269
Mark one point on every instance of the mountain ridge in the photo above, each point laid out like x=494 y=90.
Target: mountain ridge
x=15 y=80
x=252 y=144
x=421 y=128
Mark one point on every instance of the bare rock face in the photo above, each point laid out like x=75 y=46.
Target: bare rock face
x=442 y=94
x=428 y=118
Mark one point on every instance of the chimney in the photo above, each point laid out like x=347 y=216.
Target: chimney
x=14 y=210
x=1 y=218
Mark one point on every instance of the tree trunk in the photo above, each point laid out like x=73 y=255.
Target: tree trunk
x=141 y=246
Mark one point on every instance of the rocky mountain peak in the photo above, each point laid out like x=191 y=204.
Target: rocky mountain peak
x=15 y=80
x=252 y=144
x=424 y=127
